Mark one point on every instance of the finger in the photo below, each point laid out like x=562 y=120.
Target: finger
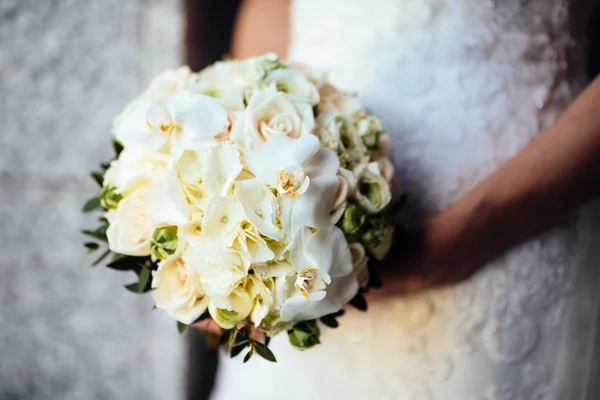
x=208 y=325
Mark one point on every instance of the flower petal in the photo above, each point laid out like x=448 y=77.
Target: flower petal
x=166 y=202
x=279 y=153
x=199 y=116
x=260 y=207
x=325 y=162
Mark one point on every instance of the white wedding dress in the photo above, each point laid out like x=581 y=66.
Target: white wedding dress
x=462 y=85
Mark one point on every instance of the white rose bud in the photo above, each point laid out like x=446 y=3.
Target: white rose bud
x=289 y=81
x=359 y=263
x=272 y=114
x=332 y=99
x=346 y=188
x=373 y=192
x=130 y=227
x=177 y=290
x=337 y=132
x=386 y=168
x=373 y=136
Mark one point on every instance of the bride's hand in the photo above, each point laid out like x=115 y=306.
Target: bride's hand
x=430 y=255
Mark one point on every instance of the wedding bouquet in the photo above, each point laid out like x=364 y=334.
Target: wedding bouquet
x=252 y=193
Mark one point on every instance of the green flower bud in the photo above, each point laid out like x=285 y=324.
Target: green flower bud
x=375 y=231
x=109 y=198
x=383 y=249
x=353 y=220
x=304 y=335
x=164 y=242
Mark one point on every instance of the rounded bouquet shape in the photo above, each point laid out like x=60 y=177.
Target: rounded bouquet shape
x=252 y=193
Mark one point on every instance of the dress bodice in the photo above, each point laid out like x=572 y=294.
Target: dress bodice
x=462 y=86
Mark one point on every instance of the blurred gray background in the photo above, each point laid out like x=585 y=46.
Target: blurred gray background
x=68 y=331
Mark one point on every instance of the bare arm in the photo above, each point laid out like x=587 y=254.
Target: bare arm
x=551 y=177
x=262 y=26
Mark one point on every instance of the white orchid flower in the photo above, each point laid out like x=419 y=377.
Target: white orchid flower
x=188 y=122
x=324 y=275
x=304 y=175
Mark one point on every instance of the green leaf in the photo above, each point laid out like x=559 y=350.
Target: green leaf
x=248 y=355
x=91 y=246
x=181 y=327
x=359 y=302
x=105 y=166
x=132 y=287
x=117 y=147
x=101 y=258
x=95 y=234
x=237 y=349
x=91 y=205
x=124 y=263
x=225 y=336
x=145 y=279
x=98 y=177
x=264 y=351
x=267 y=340
x=330 y=321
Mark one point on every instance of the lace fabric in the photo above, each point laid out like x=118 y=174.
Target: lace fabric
x=462 y=85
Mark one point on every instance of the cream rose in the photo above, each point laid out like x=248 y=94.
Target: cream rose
x=359 y=263
x=177 y=290
x=130 y=227
x=373 y=192
x=272 y=114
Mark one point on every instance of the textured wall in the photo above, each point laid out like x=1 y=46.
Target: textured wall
x=68 y=331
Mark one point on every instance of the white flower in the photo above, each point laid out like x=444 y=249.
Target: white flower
x=346 y=188
x=332 y=99
x=187 y=122
x=293 y=82
x=222 y=220
x=271 y=114
x=134 y=166
x=359 y=263
x=252 y=247
x=261 y=293
x=233 y=82
x=169 y=82
x=386 y=168
x=166 y=200
x=304 y=176
x=178 y=291
x=314 y=76
x=372 y=133
x=130 y=227
x=220 y=270
x=324 y=280
x=373 y=192
x=337 y=132
x=216 y=168
x=260 y=207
